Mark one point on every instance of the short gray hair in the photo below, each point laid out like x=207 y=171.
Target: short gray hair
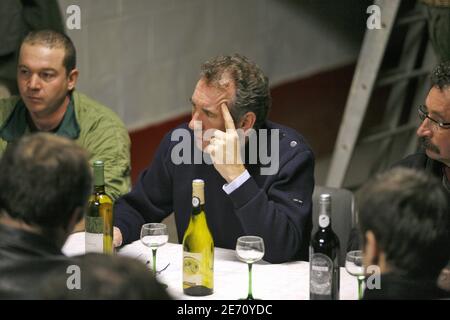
x=252 y=86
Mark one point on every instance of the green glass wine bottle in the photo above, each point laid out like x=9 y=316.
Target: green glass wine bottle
x=198 y=248
x=99 y=216
x=324 y=256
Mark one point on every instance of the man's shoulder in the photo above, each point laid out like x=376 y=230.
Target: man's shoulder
x=180 y=130
x=184 y=126
x=175 y=135
x=22 y=277
x=290 y=139
x=89 y=110
x=6 y=107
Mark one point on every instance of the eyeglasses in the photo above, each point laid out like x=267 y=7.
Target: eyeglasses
x=435 y=124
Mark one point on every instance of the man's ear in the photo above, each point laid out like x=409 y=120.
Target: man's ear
x=247 y=121
x=371 y=250
x=72 y=79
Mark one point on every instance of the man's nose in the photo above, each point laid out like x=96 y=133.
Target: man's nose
x=34 y=83
x=424 y=129
x=195 y=118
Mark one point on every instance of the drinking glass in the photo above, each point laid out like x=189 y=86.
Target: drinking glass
x=250 y=249
x=354 y=266
x=154 y=235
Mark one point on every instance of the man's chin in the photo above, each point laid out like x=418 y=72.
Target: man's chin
x=34 y=106
x=437 y=157
x=431 y=154
x=38 y=109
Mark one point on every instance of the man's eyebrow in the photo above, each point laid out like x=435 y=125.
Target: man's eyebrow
x=49 y=69
x=208 y=111
x=437 y=114
x=44 y=69
x=204 y=109
x=193 y=102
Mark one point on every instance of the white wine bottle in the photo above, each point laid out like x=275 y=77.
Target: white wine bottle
x=198 y=248
x=324 y=256
x=99 y=216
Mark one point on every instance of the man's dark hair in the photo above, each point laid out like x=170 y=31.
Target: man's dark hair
x=440 y=76
x=43 y=179
x=104 y=277
x=252 y=86
x=54 y=39
x=408 y=212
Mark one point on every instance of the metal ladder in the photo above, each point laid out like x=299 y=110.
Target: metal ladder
x=395 y=136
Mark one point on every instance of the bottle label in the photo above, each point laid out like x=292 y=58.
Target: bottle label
x=94 y=234
x=191 y=269
x=94 y=242
x=324 y=221
x=94 y=224
x=321 y=274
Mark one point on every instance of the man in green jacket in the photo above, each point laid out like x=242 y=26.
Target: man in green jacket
x=48 y=102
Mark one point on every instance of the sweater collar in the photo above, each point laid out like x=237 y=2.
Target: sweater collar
x=17 y=124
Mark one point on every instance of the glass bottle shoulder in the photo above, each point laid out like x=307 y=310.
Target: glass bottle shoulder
x=101 y=198
x=325 y=238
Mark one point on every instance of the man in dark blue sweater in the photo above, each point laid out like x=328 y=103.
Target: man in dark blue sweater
x=262 y=188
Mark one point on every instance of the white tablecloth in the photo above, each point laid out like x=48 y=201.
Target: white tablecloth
x=286 y=281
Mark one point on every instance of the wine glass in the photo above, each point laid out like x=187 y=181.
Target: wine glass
x=154 y=235
x=250 y=249
x=354 y=266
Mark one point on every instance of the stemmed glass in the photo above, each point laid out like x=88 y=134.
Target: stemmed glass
x=250 y=249
x=354 y=266
x=154 y=235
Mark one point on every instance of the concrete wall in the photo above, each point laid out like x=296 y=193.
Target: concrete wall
x=142 y=57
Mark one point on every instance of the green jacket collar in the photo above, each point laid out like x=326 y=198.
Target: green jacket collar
x=16 y=125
